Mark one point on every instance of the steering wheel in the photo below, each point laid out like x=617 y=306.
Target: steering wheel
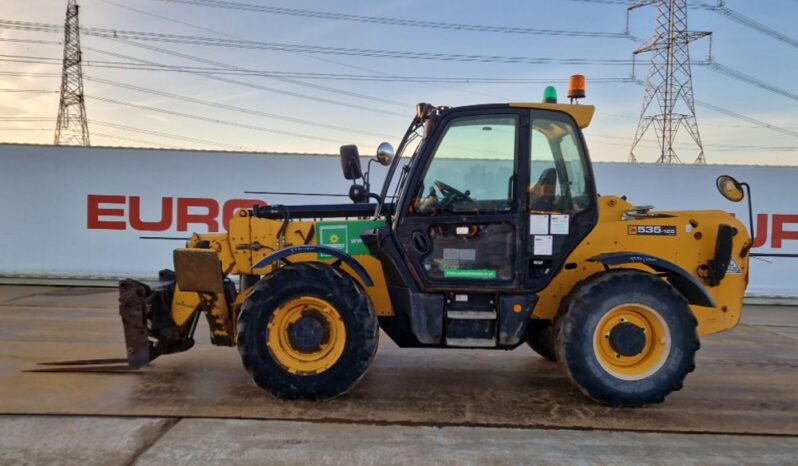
x=451 y=194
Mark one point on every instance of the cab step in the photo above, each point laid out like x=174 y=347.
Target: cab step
x=468 y=315
x=471 y=321
x=471 y=342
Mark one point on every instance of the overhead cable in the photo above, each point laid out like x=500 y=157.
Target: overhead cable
x=395 y=21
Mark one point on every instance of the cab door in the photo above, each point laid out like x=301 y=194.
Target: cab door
x=461 y=219
x=561 y=197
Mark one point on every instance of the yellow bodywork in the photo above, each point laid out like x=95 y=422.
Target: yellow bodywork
x=251 y=239
x=691 y=248
x=582 y=114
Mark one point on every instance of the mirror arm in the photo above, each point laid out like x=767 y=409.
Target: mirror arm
x=750 y=210
x=367 y=176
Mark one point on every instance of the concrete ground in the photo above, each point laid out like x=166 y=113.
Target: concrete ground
x=413 y=407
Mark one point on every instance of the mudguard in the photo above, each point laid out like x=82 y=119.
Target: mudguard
x=685 y=283
x=293 y=250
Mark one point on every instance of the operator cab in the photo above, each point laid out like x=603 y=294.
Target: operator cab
x=487 y=209
x=496 y=196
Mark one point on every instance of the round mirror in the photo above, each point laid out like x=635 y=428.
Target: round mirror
x=730 y=188
x=385 y=153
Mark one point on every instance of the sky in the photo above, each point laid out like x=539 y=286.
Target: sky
x=306 y=115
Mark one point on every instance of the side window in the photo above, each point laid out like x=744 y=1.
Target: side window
x=472 y=168
x=557 y=178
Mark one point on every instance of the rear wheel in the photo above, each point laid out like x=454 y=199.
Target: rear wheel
x=307 y=331
x=540 y=337
x=627 y=338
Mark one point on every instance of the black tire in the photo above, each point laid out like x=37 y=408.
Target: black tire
x=320 y=281
x=540 y=337
x=576 y=331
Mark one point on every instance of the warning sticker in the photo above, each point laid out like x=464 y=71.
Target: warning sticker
x=733 y=268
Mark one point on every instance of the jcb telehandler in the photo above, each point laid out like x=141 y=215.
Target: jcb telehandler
x=487 y=233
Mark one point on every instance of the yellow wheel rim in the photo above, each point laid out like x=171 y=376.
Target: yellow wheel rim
x=306 y=335
x=653 y=350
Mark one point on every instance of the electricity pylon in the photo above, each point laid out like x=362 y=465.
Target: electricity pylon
x=71 y=127
x=670 y=80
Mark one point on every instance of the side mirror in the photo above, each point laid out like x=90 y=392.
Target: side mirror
x=385 y=154
x=350 y=162
x=730 y=188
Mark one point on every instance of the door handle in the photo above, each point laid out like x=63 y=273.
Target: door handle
x=421 y=242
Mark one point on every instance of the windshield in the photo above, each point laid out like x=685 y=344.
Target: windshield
x=472 y=168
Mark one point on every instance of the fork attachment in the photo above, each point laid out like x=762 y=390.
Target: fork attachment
x=149 y=328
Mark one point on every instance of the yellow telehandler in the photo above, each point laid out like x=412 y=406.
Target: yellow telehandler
x=488 y=233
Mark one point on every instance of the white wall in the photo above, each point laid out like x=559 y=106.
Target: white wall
x=45 y=208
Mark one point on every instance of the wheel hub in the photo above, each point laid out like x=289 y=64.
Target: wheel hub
x=308 y=334
x=628 y=339
x=631 y=341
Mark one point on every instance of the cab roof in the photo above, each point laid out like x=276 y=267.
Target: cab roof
x=582 y=114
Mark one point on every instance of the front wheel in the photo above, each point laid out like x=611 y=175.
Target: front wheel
x=307 y=331
x=627 y=338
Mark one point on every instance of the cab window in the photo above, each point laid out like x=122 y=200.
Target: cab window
x=557 y=178
x=472 y=168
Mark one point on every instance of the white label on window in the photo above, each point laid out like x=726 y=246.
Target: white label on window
x=449 y=253
x=538 y=224
x=559 y=224
x=543 y=246
x=468 y=254
x=461 y=298
x=462 y=230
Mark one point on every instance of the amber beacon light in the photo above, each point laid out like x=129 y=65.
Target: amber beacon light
x=576 y=87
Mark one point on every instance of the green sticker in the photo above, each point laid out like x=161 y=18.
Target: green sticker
x=345 y=236
x=474 y=274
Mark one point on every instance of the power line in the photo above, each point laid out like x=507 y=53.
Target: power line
x=136 y=140
x=162 y=134
x=30 y=41
x=227 y=106
x=133 y=129
x=740 y=76
x=395 y=21
x=291 y=81
x=226 y=34
x=322 y=76
x=747 y=118
x=752 y=23
x=349 y=105
x=727 y=112
x=713 y=66
x=733 y=147
x=120 y=35
x=738 y=116
x=213 y=120
x=315 y=49
x=31 y=91
x=721 y=9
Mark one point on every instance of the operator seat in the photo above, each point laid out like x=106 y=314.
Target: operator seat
x=541 y=194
